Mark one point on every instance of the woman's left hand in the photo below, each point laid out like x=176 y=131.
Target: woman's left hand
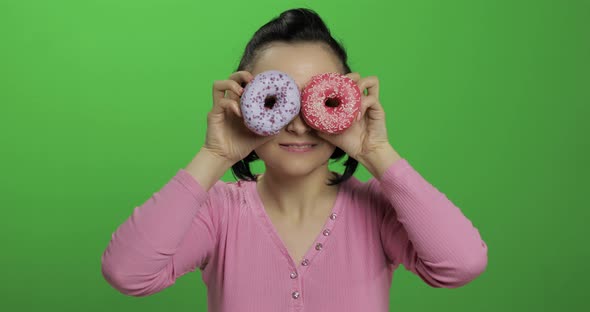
x=368 y=133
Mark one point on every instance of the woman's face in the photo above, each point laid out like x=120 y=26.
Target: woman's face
x=301 y=61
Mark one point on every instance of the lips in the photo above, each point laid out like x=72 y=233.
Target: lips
x=298 y=147
x=293 y=144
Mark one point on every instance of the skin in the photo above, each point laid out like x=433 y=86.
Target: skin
x=293 y=188
x=288 y=175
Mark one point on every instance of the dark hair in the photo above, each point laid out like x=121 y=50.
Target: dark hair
x=293 y=26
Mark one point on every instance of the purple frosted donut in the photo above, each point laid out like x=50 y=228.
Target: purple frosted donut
x=269 y=102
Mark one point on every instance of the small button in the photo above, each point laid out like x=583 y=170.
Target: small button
x=294 y=275
x=326 y=232
x=319 y=246
x=333 y=216
x=305 y=262
x=295 y=294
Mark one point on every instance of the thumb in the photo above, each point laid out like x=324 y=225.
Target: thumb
x=354 y=76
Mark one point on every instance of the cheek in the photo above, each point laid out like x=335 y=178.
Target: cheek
x=267 y=152
x=261 y=152
x=328 y=150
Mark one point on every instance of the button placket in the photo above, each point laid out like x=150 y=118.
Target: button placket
x=320 y=244
x=306 y=262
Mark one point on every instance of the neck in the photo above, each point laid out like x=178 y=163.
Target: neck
x=297 y=197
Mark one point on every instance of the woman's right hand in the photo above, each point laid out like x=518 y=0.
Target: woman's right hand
x=227 y=136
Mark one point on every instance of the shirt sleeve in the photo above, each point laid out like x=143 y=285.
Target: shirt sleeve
x=423 y=230
x=172 y=233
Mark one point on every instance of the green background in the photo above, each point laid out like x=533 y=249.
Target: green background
x=103 y=101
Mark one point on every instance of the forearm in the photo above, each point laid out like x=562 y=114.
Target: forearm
x=142 y=247
x=379 y=160
x=445 y=246
x=207 y=168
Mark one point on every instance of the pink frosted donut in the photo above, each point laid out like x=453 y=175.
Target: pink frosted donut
x=330 y=102
x=269 y=102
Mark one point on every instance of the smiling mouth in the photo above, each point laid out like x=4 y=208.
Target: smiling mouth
x=298 y=147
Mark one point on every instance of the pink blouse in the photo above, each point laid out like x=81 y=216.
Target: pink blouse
x=373 y=228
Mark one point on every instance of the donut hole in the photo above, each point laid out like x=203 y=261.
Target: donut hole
x=270 y=101
x=332 y=102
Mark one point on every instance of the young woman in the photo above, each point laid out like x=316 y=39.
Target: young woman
x=298 y=236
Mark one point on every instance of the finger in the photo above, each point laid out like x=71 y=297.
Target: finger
x=242 y=77
x=375 y=111
x=225 y=104
x=230 y=94
x=370 y=83
x=234 y=107
x=221 y=86
x=367 y=103
x=354 y=76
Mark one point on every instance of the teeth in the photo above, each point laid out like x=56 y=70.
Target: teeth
x=299 y=146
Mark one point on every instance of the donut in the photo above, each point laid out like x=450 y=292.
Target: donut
x=269 y=102
x=330 y=102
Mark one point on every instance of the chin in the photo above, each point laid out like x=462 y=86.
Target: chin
x=297 y=167
x=292 y=163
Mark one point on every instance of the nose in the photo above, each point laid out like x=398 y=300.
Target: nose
x=298 y=126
